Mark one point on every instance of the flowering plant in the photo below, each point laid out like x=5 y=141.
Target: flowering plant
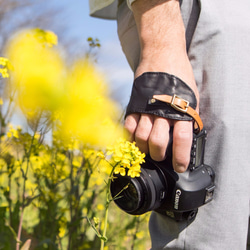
x=52 y=195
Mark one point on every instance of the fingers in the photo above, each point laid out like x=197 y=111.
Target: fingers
x=139 y=128
x=143 y=132
x=151 y=134
x=182 y=142
x=158 y=139
x=130 y=125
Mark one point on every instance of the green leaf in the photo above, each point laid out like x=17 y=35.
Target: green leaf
x=105 y=239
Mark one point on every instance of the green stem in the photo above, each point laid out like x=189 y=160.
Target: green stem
x=105 y=227
x=23 y=194
x=108 y=200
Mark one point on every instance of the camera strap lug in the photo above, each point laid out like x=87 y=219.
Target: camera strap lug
x=209 y=194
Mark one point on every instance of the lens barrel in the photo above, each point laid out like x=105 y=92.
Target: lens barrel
x=141 y=194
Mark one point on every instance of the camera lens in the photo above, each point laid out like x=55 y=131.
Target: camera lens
x=141 y=194
x=127 y=193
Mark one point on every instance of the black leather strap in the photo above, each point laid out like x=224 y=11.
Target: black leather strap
x=157 y=83
x=192 y=23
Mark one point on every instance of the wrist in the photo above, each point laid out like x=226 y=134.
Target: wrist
x=171 y=62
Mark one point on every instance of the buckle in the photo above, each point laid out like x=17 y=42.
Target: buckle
x=178 y=107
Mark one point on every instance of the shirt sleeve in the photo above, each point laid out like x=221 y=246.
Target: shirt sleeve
x=129 y=2
x=106 y=9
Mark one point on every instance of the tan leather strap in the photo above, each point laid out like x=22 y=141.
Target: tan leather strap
x=181 y=105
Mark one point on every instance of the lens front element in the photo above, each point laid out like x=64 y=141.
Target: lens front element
x=126 y=193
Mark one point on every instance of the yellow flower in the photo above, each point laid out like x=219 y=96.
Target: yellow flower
x=76 y=163
x=140 y=234
x=9 y=135
x=63 y=226
x=5 y=67
x=51 y=38
x=134 y=171
x=120 y=170
x=13 y=132
x=87 y=111
x=38 y=74
x=62 y=232
x=84 y=211
x=127 y=158
x=4 y=204
x=45 y=37
x=96 y=220
x=3 y=61
x=1 y=101
x=75 y=95
x=100 y=207
x=4 y=72
x=100 y=155
x=37 y=136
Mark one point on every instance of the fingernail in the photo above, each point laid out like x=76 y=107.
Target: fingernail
x=179 y=168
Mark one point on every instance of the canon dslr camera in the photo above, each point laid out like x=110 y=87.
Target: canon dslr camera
x=161 y=189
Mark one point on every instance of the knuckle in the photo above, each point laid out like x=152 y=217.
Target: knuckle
x=157 y=148
x=156 y=141
x=130 y=126
x=183 y=135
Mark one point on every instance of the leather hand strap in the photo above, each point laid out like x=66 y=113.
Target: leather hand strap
x=181 y=105
x=164 y=95
x=158 y=83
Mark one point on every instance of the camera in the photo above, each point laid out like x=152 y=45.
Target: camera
x=161 y=189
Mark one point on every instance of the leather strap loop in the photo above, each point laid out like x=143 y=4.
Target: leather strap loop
x=164 y=95
x=158 y=83
x=181 y=105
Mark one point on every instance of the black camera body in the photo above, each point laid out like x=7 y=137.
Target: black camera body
x=160 y=188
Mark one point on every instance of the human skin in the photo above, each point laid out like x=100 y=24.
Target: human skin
x=163 y=49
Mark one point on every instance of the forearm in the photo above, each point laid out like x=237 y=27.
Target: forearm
x=162 y=39
x=160 y=25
